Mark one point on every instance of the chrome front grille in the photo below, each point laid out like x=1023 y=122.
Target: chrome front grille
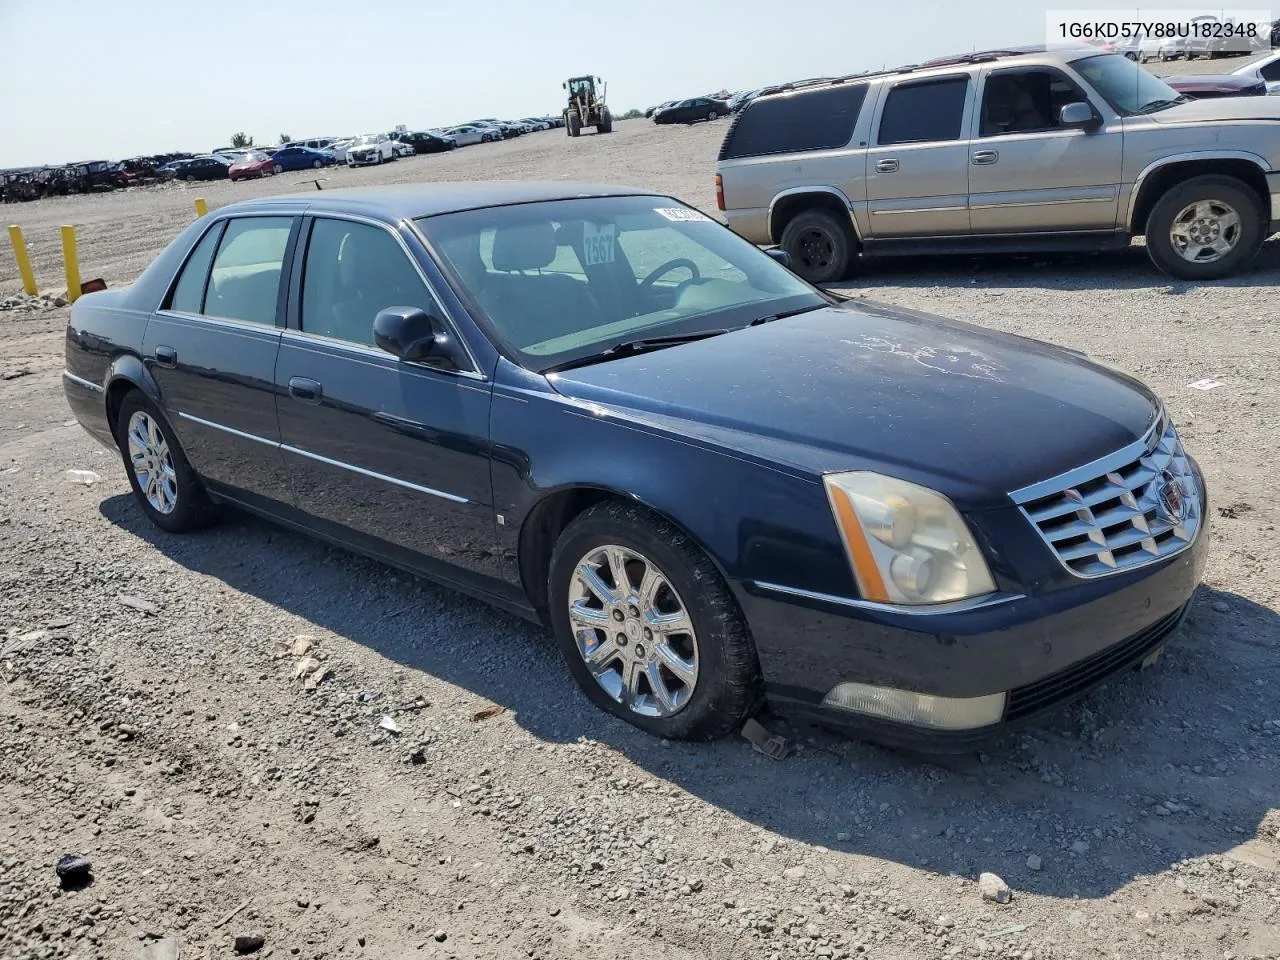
x=1137 y=506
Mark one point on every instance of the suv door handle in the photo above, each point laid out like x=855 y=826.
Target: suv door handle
x=166 y=356
x=984 y=157
x=308 y=391
x=887 y=166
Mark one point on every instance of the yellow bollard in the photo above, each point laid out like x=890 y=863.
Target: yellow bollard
x=24 y=261
x=201 y=207
x=72 y=262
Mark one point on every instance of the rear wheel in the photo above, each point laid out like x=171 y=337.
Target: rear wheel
x=1206 y=228
x=820 y=246
x=163 y=482
x=648 y=628
x=278 y=168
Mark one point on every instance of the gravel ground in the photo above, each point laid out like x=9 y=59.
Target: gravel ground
x=150 y=716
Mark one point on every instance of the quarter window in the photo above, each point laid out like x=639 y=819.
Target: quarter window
x=188 y=292
x=1271 y=71
x=924 y=112
x=245 y=281
x=819 y=120
x=353 y=270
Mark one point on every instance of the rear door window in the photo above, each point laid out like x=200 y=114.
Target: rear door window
x=1271 y=71
x=813 y=120
x=245 y=281
x=925 y=112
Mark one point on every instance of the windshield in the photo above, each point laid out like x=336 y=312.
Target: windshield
x=568 y=279
x=1129 y=88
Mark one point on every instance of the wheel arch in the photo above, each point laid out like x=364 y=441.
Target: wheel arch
x=547 y=519
x=126 y=373
x=785 y=205
x=1158 y=177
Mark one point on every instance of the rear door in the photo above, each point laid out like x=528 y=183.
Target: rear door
x=211 y=349
x=381 y=450
x=1028 y=174
x=918 y=163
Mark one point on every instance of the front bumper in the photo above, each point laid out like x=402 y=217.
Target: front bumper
x=1041 y=651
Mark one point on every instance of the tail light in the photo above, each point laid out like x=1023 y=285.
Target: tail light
x=719 y=192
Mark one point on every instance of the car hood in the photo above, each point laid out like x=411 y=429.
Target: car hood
x=1221 y=108
x=971 y=412
x=360 y=147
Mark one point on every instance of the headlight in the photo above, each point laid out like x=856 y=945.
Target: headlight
x=906 y=543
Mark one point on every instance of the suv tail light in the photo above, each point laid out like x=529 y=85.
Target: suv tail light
x=719 y=192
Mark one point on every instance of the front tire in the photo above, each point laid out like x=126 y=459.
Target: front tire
x=316 y=164
x=1206 y=228
x=648 y=627
x=165 y=485
x=821 y=247
x=712 y=115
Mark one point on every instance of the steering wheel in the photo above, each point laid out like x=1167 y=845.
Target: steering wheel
x=647 y=283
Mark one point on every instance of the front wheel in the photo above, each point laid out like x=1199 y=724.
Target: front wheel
x=648 y=627
x=1206 y=228
x=821 y=247
x=316 y=164
x=713 y=115
x=163 y=482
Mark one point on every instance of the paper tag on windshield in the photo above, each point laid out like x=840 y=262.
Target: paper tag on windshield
x=597 y=243
x=682 y=215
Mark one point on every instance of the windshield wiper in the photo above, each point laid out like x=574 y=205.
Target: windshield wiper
x=1155 y=105
x=629 y=347
x=786 y=313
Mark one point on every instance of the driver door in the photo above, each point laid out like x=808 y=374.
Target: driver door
x=380 y=451
x=1027 y=174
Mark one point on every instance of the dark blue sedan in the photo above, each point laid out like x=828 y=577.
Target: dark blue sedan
x=301 y=158
x=604 y=411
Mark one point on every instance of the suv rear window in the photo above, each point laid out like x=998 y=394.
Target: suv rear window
x=820 y=119
x=924 y=112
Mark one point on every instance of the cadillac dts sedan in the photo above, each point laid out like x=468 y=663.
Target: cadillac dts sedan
x=716 y=484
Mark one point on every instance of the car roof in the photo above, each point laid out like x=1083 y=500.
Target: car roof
x=397 y=201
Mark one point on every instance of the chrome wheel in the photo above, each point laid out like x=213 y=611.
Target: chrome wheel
x=633 y=631
x=1205 y=231
x=152 y=463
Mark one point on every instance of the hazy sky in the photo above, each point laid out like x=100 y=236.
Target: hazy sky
x=92 y=79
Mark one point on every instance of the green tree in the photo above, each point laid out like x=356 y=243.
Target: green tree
x=240 y=140
x=631 y=115
x=285 y=138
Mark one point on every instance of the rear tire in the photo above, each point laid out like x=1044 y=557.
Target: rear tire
x=1173 y=220
x=821 y=247
x=191 y=507
x=726 y=686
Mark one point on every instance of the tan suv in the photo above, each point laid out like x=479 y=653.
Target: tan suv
x=1008 y=151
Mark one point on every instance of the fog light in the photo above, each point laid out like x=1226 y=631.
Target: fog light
x=920 y=709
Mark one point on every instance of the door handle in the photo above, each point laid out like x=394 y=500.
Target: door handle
x=887 y=166
x=166 y=357
x=982 y=158
x=308 y=391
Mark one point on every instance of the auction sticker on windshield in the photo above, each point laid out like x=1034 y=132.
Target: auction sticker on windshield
x=597 y=242
x=682 y=215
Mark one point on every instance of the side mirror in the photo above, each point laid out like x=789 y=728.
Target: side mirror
x=410 y=333
x=780 y=255
x=1078 y=115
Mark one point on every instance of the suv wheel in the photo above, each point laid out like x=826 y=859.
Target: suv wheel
x=820 y=246
x=1205 y=228
x=648 y=627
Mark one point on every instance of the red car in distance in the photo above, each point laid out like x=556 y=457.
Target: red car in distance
x=253 y=165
